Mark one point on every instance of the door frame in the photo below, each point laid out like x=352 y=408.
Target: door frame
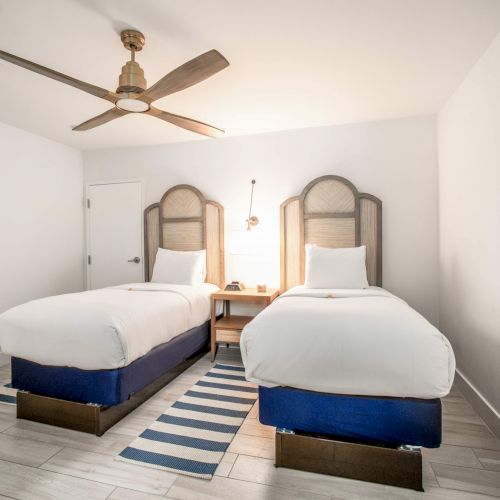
x=88 y=185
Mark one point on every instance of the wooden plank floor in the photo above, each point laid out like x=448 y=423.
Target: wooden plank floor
x=41 y=462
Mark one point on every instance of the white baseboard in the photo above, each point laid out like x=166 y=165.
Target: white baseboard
x=483 y=407
x=4 y=359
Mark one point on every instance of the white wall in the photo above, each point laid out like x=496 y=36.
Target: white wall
x=41 y=218
x=395 y=160
x=469 y=205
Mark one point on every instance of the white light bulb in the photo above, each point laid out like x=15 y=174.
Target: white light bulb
x=132 y=105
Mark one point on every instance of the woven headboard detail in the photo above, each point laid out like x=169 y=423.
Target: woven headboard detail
x=330 y=212
x=185 y=220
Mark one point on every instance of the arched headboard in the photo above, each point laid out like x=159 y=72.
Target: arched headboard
x=330 y=212
x=184 y=220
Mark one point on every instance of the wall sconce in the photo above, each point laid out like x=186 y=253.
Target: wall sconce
x=252 y=219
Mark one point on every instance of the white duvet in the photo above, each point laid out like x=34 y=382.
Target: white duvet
x=105 y=328
x=360 y=342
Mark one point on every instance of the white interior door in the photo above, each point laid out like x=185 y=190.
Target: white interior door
x=115 y=234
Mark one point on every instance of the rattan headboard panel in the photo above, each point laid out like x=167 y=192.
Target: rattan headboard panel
x=185 y=220
x=151 y=238
x=330 y=212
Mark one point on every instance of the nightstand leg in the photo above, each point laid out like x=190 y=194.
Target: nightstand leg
x=213 y=318
x=213 y=350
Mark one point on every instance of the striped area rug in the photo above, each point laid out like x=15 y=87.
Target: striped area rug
x=7 y=394
x=192 y=435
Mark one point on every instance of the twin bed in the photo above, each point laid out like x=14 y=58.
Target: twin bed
x=85 y=360
x=351 y=377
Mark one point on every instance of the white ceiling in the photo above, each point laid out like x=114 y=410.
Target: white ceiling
x=294 y=63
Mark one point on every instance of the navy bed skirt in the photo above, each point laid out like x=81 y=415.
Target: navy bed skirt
x=107 y=387
x=374 y=420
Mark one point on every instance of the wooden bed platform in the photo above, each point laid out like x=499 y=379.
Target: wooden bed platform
x=376 y=464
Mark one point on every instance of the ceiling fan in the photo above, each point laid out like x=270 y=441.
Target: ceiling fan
x=132 y=94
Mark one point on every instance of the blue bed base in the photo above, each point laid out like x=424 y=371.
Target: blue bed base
x=371 y=420
x=107 y=387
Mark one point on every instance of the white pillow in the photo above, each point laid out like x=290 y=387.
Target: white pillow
x=336 y=267
x=179 y=268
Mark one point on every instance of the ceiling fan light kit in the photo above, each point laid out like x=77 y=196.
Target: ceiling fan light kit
x=132 y=105
x=132 y=94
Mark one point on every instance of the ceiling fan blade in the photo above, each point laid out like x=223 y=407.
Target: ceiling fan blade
x=198 y=69
x=105 y=117
x=60 y=77
x=187 y=123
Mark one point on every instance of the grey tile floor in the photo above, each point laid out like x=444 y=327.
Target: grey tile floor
x=41 y=462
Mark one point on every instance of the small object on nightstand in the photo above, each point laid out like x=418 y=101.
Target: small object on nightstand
x=234 y=286
x=227 y=329
x=261 y=288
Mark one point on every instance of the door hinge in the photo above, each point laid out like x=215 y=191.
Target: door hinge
x=88 y=202
x=89 y=260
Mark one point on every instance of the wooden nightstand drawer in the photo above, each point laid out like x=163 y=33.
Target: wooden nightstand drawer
x=228 y=336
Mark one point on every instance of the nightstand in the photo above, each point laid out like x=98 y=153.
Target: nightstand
x=228 y=328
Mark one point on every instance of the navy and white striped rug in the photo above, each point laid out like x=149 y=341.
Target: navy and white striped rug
x=192 y=435
x=7 y=394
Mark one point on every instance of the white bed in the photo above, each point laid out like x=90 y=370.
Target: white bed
x=342 y=365
x=359 y=342
x=116 y=346
x=103 y=329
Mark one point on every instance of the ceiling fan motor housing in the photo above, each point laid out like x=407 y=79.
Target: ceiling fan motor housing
x=131 y=79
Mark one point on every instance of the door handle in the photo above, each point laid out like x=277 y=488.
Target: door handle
x=135 y=259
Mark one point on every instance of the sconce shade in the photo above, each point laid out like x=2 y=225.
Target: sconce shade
x=252 y=221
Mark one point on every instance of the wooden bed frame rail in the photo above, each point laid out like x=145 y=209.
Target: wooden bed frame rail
x=377 y=464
